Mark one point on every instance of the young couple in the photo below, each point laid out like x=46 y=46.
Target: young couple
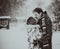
x=45 y=29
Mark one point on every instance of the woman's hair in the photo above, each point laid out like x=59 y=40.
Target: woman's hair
x=38 y=10
x=31 y=21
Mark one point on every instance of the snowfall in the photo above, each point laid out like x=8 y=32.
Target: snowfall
x=16 y=36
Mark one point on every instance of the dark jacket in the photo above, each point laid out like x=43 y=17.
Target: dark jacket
x=48 y=31
x=48 y=23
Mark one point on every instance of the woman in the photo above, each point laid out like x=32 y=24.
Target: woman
x=34 y=33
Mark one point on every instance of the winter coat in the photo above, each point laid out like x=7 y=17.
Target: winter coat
x=46 y=29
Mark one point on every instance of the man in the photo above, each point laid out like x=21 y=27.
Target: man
x=45 y=27
x=38 y=12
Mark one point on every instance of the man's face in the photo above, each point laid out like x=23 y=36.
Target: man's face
x=40 y=14
x=37 y=15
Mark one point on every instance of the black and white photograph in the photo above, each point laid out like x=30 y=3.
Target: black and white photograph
x=29 y=24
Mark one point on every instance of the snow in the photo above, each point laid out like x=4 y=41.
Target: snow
x=56 y=40
x=5 y=17
x=16 y=37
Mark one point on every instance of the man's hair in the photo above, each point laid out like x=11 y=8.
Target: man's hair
x=38 y=10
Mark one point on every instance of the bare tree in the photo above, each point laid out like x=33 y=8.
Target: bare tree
x=56 y=11
x=6 y=5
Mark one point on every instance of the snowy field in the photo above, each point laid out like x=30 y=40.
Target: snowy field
x=56 y=40
x=16 y=37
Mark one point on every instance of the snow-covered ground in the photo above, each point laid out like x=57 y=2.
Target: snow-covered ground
x=16 y=37
x=56 y=40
